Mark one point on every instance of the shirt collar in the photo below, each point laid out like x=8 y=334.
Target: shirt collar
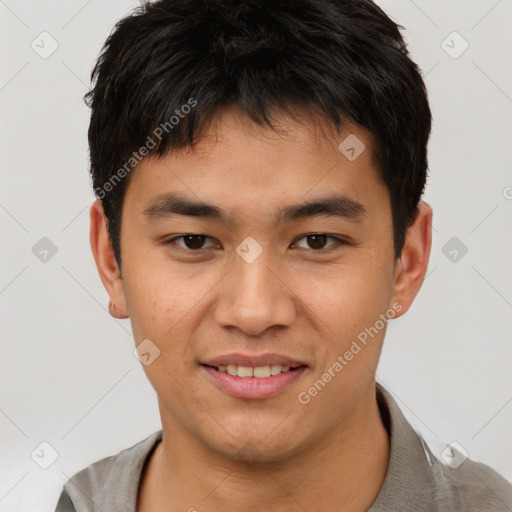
x=411 y=464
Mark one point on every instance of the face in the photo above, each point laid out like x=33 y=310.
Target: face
x=259 y=251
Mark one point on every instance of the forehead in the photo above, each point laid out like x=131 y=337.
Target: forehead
x=304 y=135
x=242 y=166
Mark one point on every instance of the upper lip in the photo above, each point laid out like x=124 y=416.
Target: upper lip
x=254 y=360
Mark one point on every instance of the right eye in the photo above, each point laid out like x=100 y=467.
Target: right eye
x=190 y=242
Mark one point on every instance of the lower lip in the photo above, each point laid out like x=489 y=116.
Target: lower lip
x=253 y=387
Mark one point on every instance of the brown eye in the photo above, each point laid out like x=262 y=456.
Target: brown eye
x=191 y=242
x=318 y=242
x=194 y=241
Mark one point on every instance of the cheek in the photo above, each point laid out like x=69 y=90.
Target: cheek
x=156 y=300
x=350 y=313
x=168 y=309
x=348 y=298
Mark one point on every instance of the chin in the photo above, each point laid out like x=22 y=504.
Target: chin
x=255 y=446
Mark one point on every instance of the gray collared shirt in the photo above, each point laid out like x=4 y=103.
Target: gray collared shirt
x=415 y=481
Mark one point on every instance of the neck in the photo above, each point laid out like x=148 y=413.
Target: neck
x=344 y=471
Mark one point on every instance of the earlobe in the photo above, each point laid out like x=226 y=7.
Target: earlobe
x=105 y=261
x=412 y=266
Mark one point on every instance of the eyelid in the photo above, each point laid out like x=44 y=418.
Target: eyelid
x=339 y=241
x=176 y=237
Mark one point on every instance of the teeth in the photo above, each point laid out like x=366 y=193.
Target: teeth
x=260 y=372
x=276 y=369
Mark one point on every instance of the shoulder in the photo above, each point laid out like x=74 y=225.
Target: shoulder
x=110 y=483
x=420 y=481
x=472 y=486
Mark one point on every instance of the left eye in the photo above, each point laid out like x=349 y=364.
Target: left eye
x=191 y=242
x=318 y=241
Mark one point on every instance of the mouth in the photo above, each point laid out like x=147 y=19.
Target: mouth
x=253 y=382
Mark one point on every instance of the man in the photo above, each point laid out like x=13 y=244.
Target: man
x=259 y=167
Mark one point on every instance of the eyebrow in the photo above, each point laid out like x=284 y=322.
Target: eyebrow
x=171 y=204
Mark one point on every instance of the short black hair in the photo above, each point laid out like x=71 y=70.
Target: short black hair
x=167 y=69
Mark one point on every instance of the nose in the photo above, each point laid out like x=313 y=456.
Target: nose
x=254 y=297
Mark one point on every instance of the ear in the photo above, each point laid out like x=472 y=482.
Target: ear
x=106 y=262
x=411 y=267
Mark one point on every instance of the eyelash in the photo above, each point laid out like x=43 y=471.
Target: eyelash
x=339 y=242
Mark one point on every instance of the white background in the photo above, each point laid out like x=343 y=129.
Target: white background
x=68 y=375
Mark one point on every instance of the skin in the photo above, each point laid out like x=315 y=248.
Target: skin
x=276 y=454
